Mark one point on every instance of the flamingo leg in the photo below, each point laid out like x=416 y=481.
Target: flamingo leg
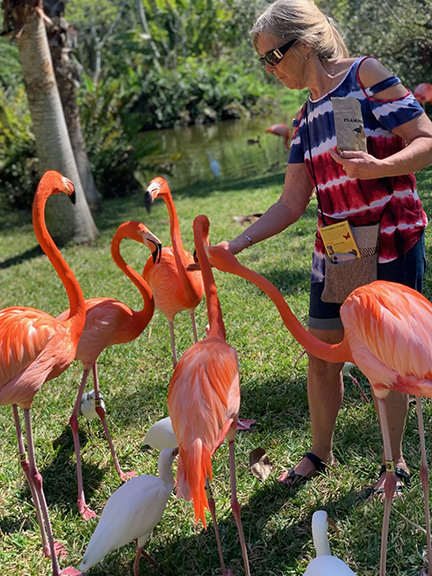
x=212 y=507
x=424 y=477
x=83 y=509
x=173 y=347
x=125 y=476
x=194 y=326
x=235 y=507
x=25 y=465
x=390 y=483
x=38 y=486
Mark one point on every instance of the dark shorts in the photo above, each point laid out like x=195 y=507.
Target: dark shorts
x=408 y=269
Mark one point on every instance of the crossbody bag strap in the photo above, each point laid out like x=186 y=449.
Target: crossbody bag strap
x=311 y=161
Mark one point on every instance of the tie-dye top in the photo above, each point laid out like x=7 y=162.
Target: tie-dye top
x=394 y=201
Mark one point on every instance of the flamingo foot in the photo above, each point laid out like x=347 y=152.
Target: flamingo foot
x=125 y=476
x=60 y=550
x=70 y=571
x=244 y=424
x=85 y=511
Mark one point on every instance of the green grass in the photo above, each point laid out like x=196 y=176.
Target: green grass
x=134 y=379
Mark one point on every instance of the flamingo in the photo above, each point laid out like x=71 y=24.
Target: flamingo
x=388 y=329
x=131 y=513
x=324 y=564
x=203 y=403
x=423 y=93
x=110 y=322
x=173 y=288
x=281 y=130
x=36 y=347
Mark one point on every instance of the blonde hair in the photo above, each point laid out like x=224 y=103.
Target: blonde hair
x=303 y=20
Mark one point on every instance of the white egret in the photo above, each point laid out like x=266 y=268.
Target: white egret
x=324 y=564
x=131 y=513
x=214 y=165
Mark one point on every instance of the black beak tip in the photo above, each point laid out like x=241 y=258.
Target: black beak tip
x=72 y=197
x=148 y=201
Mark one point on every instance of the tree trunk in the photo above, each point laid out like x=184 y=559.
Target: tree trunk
x=53 y=145
x=67 y=82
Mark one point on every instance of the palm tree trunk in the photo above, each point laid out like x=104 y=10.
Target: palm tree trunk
x=53 y=145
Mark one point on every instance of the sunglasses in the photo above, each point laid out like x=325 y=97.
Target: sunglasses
x=273 y=57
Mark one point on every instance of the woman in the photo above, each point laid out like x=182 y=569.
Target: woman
x=301 y=47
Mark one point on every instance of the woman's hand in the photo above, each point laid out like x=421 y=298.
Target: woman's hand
x=358 y=164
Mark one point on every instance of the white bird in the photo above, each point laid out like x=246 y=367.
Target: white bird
x=214 y=165
x=324 y=564
x=161 y=435
x=88 y=407
x=131 y=513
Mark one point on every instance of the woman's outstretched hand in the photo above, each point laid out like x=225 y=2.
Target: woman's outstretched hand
x=358 y=164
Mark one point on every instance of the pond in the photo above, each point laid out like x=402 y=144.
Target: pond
x=240 y=147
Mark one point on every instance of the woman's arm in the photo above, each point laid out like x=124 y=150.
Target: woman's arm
x=417 y=133
x=290 y=206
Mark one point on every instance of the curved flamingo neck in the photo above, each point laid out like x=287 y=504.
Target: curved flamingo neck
x=177 y=245
x=148 y=301
x=214 y=312
x=330 y=352
x=76 y=298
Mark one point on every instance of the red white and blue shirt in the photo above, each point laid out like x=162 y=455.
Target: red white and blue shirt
x=392 y=201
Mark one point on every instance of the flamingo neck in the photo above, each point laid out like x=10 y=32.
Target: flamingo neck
x=214 y=312
x=148 y=302
x=178 y=249
x=330 y=352
x=76 y=298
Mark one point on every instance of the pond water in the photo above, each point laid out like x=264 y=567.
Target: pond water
x=240 y=147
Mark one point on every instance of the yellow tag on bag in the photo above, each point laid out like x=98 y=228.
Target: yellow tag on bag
x=338 y=239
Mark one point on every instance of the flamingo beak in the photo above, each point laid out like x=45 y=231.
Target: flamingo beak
x=148 y=200
x=157 y=253
x=72 y=197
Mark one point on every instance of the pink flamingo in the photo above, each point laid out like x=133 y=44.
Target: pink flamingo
x=204 y=402
x=110 y=322
x=174 y=289
x=281 y=130
x=388 y=330
x=35 y=348
x=423 y=93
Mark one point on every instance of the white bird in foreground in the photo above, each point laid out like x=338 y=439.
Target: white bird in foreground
x=88 y=405
x=324 y=564
x=131 y=513
x=214 y=165
x=161 y=435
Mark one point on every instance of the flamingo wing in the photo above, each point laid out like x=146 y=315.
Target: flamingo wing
x=388 y=326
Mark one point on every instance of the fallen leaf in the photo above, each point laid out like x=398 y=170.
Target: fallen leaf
x=260 y=465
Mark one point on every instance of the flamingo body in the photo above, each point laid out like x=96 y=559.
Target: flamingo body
x=281 y=130
x=132 y=512
x=203 y=402
x=166 y=284
x=423 y=93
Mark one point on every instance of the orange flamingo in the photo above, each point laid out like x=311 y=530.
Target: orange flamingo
x=203 y=402
x=388 y=330
x=173 y=288
x=110 y=322
x=423 y=93
x=281 y=130
x=35 y=348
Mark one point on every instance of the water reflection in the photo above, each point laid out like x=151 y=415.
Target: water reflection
x=241 y=147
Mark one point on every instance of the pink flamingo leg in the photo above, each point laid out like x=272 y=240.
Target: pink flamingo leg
x=125 y=476
x=173 y=347
x=424 y=477
x=235 y=507
x=390 y=484
x=36 y=479
x=194 y=326
x=212 y=507
x=83 y=509
x=25 y=465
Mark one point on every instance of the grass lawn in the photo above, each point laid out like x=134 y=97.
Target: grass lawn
x=134 y=379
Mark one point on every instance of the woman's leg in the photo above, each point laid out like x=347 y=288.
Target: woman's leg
x=325 y=394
